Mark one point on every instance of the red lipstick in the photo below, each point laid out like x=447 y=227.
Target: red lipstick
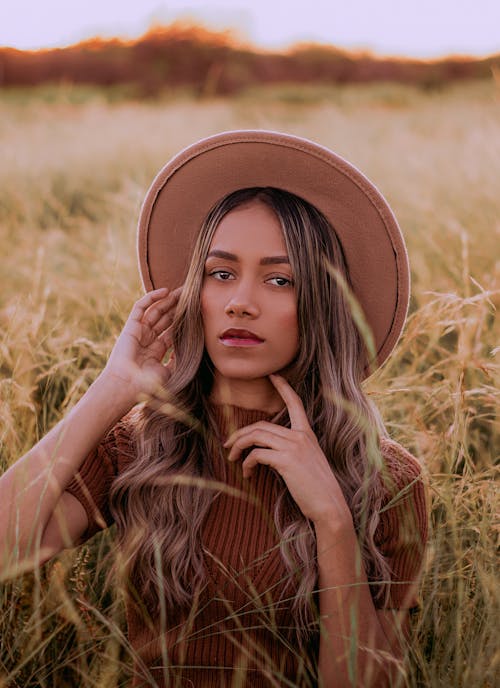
x=239 y=337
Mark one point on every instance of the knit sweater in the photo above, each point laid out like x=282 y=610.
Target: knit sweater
x=242 y=624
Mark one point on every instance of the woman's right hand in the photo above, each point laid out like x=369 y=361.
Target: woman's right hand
x=136 y=360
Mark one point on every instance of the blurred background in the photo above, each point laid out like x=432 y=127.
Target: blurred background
x=227 y=46
x=95 y=97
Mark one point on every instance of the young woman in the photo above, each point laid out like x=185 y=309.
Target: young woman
x=270 y=533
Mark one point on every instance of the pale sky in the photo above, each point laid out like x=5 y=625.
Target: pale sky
x=421 y=28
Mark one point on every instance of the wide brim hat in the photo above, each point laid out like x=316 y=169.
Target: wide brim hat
x=193 y=181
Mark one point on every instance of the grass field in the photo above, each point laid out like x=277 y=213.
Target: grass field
x=74 y=167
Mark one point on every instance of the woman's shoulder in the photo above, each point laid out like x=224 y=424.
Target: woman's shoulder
x=118 y=446
x=402 y=530
x=403 y=468
x=406 y=486
x=124 y=431
x=120 y=441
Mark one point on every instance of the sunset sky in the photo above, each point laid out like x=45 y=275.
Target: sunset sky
x=427 y=28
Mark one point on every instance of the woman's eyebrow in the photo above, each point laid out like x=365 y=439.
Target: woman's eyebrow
x=274 y=260
x=267 y=260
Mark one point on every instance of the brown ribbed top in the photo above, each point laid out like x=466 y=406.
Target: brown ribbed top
x=241 y=624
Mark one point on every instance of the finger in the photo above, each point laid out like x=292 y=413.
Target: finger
x=157 y=353
x=171 y=358
x=172 y=299
x=263 y=424
x=266 y=457
x=142 y=304
x=165 y=308
x=162 y=323
x=166 y=337
x=298 y=417
x=258 y=438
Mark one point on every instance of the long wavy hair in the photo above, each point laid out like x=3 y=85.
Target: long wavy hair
x=160 y=501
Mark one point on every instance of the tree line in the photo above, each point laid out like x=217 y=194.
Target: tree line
x=213 y=63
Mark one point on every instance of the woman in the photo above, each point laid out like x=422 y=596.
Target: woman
x=270 y=533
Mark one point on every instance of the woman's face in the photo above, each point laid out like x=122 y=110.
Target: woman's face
x=248 y=300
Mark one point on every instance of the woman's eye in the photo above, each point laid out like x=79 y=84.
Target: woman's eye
x=281 y=281
x=222 y=275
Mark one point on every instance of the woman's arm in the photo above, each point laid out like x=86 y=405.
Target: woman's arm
x=33 y=487
x=359 y=645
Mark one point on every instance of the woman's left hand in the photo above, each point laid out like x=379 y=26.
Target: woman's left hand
x=296 y=455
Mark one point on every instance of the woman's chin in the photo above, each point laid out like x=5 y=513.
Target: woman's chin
x=239 y=374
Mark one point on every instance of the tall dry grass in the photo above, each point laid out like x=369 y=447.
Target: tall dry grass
x=73 y=172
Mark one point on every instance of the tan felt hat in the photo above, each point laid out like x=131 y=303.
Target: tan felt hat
x=202 y=174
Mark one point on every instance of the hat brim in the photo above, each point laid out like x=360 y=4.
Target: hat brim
x=199 y=176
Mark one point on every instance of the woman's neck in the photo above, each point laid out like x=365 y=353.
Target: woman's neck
x=249 y=394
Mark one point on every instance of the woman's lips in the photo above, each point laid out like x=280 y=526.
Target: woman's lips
x=236 y=337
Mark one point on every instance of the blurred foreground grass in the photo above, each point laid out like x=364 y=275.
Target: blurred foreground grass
x=73 y=171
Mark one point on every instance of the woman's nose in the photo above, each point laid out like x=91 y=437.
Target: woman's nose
x=242 y=302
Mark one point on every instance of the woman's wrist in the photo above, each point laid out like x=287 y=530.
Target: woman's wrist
x=113 y=393
x=334 y=522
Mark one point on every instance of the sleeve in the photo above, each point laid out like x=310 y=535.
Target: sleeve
x=401 y=535
x=92 y=483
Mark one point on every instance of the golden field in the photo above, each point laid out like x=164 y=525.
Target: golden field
x=74 y=167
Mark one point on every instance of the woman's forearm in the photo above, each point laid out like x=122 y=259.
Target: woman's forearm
x=31 y=488
x=355 y=649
